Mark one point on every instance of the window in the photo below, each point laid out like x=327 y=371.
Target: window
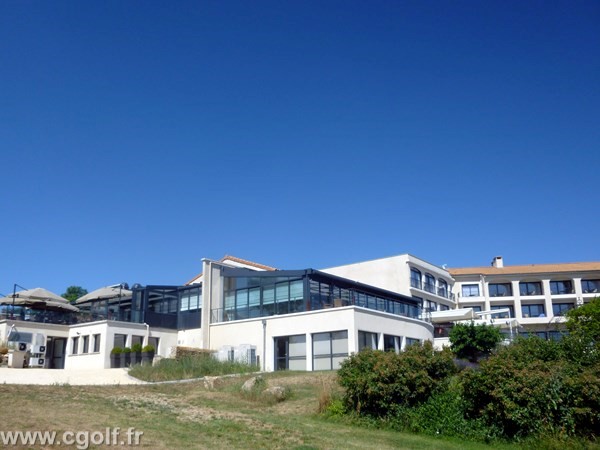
x=412 y=341
x=290 y=352
x=444 y=307
x=500 y=289
x=590 y=286
x=120 y=340
x=86 y=344
x=329 y=349
x=504 y=315
x=559 y=309
x=154 y=341
x=530 y=288
x=470 y=290
x=429 y=306
x=476 y=308
x=556 y=335
x=561 y=287
x=537 y=310
x=367 y=340
x=75 y=346
x=96 y=343
x=392 y=343
x=442 y=288
x=429 y=283
x=137 y=340
x=415 y=278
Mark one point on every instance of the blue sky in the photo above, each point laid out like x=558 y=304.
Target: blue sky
x=139 y=137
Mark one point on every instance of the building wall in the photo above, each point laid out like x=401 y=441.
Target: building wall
x=260 y=332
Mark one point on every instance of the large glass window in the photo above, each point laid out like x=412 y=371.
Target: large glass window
x=561 y=287
x=504 y=315
x=415 y=278
x=500 y=289
x=429 y=283
x=329 y=349
x=470 y=290
x=559 y=309
x=590 y=286
x=537 y=310
x=290 y=352
x=367 y=340
x=120 y=340
x=530 y=288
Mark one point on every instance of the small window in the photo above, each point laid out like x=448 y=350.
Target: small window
x=75 y=346
x=86 y=344
x=367 y=340
x=96 y=343
x=590 y=286
x=392 y=343
x=470 y=290
x=559 y=309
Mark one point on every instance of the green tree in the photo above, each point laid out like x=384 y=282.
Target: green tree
x=74 y=292
x=470 y=341
x=585 y=321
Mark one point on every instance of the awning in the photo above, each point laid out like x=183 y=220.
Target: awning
x=452 y=315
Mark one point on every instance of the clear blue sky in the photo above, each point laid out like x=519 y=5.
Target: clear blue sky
x=138 y=137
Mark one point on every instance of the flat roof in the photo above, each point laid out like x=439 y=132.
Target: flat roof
x=527 y=269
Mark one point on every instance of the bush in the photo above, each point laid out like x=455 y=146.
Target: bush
x=136 y=348
x=126 y=350
x=378 y=383
x=470 y=341
x=529 y=389
x=148 y=349
x=116 y=351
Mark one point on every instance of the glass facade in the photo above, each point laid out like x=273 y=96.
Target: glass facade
x=249 y=294
x=329 y=349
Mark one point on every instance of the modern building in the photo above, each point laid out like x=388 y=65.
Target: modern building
x=309 y=319
x=536 y=295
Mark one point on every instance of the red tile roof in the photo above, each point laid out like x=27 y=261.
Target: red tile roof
x=527 y=269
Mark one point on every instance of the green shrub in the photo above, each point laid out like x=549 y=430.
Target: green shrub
x=378 y=383
x=470 y=341
x=126 y=350
x=116 y=351
x=148 y=348
x=136 y=348
x=530 y=389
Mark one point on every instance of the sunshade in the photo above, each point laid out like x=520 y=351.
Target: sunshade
x=105 y=293
x=451 y=315
x=34 y=295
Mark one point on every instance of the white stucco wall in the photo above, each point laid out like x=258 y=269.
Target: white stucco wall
x=348 y=318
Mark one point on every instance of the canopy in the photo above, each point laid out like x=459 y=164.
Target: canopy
x=451 y=315
x=105 y=293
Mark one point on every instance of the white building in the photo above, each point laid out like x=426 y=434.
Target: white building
x=312 y=319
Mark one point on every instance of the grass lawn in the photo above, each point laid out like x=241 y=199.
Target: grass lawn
x=188 y=415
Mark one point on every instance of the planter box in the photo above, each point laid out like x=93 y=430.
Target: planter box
x=147 y=358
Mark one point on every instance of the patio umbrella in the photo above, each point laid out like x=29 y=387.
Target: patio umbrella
x=33 y=296
x=105 y=293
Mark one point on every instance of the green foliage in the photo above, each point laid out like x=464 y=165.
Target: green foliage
x=585 y=320
x=530 y=388
x=470 y=341
x=149 y=348
x=74 y=292
x=126 y=350
x=378 y=382
x=189 y=367
x=116 y=351
x=136 y=348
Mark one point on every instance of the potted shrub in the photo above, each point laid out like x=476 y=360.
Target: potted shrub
x=148 y=354
x=136 y=354
x=115 y=357
x=126 y=357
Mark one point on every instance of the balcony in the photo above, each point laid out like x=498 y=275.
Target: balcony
x=429 y=287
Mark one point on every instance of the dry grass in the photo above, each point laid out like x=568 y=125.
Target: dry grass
x=188 y=415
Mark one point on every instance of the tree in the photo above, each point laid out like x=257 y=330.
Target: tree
x=472 y=341
x=585 y=321
x=74 y=292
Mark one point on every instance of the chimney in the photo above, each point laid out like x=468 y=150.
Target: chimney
x=497 y=262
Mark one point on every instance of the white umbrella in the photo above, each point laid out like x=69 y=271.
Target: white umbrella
x=105 y=293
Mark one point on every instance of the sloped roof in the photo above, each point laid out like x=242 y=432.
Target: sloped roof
x=239 y=260
x=527 y=269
